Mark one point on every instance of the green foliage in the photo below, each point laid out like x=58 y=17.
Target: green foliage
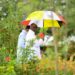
x=12 y=12
x=6 y=55
x=7 y=70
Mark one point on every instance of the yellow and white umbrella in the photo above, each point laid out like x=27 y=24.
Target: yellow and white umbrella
x=41 y=15
x=43 y=19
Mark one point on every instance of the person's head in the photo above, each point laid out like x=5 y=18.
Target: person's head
x=27 y=28
x=33 y=27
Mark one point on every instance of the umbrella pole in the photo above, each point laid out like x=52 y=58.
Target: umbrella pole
x=56 y=51
x=43 y=27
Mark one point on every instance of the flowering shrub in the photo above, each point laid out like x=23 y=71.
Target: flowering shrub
x=46 y=67
x=41 y=35
x=6 y=56
x=7 y=59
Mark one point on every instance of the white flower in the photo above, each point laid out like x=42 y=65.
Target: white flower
x=1 y=8
x=4 y=14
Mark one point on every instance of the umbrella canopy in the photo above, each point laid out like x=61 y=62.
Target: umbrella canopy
x=43 y=19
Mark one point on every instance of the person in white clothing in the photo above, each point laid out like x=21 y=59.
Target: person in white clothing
x=21 y=42
x=36 y=42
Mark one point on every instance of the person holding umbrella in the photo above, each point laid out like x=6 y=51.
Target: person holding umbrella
x=35 y=47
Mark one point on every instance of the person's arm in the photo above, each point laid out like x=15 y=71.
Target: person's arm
x=21 y=41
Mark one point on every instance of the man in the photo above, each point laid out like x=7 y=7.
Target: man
x=35 y=45
x=21 y=42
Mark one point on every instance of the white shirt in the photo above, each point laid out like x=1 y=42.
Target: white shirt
x=35 y=47
x=21 y=43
